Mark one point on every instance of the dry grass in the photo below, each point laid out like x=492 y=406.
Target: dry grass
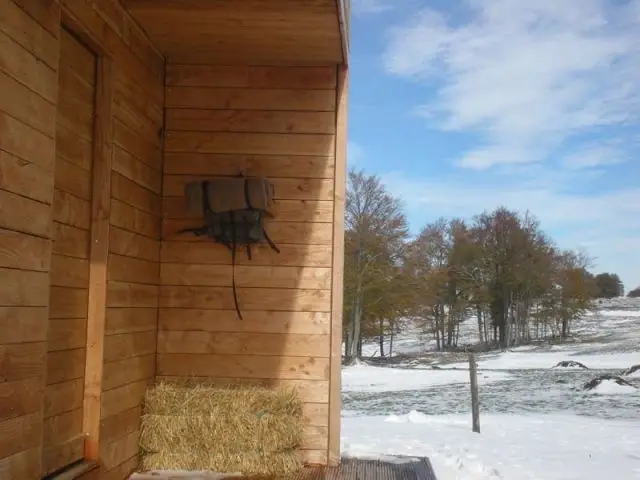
x=277 y=464
x=248 y=429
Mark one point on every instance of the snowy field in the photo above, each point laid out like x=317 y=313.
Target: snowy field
x=537 y=422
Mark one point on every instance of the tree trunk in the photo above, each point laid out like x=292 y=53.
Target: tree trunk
x=479 y=319
x=381 y=336
x=357 y=311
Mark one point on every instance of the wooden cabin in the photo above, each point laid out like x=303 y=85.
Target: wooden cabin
x=107 y=109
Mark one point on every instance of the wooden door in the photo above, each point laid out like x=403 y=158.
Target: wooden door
x=63 y=439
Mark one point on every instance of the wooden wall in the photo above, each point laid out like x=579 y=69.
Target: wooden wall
x=28 y=93
x=34 y=283
x=279 y=122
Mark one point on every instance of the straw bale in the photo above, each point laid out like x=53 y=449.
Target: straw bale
x=283 y=463
x=249 y=429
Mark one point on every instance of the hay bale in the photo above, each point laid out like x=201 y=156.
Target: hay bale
x=248 y=429
x=279 y=464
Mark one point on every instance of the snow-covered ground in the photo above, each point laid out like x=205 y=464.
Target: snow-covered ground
x=537 y=422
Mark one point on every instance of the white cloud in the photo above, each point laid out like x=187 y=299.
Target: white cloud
x=591 y=156
x=365 y=7
x=606 y=224
x=525 y=75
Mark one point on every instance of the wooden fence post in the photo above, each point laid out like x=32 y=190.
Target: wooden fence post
x=475 y=402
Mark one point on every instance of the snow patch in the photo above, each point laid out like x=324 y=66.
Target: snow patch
x=366 y=378
x=542 y=360
x=510 y=447
x=618 y=313
x=610 y=387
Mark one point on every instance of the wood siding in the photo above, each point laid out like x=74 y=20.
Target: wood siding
x=255 y=32
x=28 y=96
x=48 y=213
x=278 y=122
x=63 y=439
x=100 y=296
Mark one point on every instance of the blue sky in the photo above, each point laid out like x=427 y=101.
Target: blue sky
x=464 y=105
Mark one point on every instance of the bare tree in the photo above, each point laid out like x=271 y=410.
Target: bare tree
x=376 y=230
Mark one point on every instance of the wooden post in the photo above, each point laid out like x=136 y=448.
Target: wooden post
x=337 y=284
x=98 y=256
x=475 y=402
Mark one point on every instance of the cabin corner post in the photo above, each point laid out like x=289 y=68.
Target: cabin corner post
x=98 y=255
x=338 y=266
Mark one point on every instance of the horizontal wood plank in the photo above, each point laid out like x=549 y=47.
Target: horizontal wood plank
x=18 y=23
x=71 y=210
x=132 y=270
x=20 y=433
x=143 y=149
x=121 y=294
x=25 y=142
x=128 y=87
x=65 y=365
x=116 y=453
x=227 y=343
x=24 y=215
x=215 y=254
x=25 y=464
x=123 y=398
x=121 y=424
x=67 y=333
x=244 y=366
x=23 y=288
x=20 y=361
x=129 y=370
x=23 y=324
x=73 y=148
x=61 y=455
x=271 y=166
x=63 y=397
x=251 y=77
x=193 y=319
x=26 y=178
x=27 y=69
x=23 y=251
x=289 y=233
x=69 y=272
x=281 y=299
x=134 y=194
x=127 y=345
x=128 y=320
x=283 y=210
x=27 y=106
x=68 y=302
x=20 y=397
x=70 y=241
x=309 y=390
x=251 y=99
x=245 y=276
x=75 y=115
x=194 y=120
x=250 y=143
x=135 y=170
x=131 y=244
x=77 y=57
x=73 y=179
x=125 y=111
x=129 y=218
x=284 y=188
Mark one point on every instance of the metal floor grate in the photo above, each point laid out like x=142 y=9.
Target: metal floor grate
x=388 y=468
x=392 y=468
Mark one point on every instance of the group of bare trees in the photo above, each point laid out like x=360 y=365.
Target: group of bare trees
x=500 y=268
